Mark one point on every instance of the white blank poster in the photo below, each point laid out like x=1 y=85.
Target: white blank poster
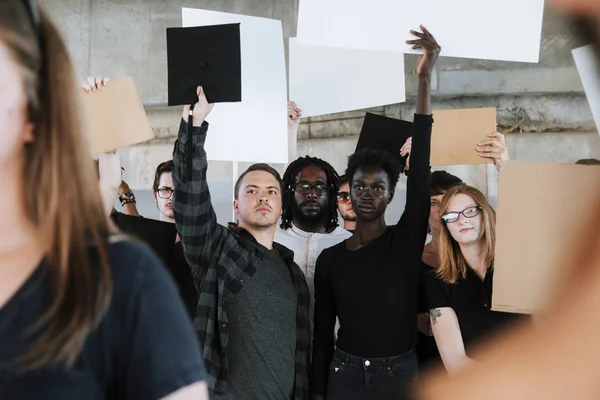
x=325 y=80
x=505 y=30
x=254 y=130
x=589 y=72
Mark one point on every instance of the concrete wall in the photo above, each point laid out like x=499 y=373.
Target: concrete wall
x=542 y=105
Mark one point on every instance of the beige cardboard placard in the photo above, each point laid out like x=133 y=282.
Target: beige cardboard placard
x=456 y=133
x=114 y=117
x=542 y=212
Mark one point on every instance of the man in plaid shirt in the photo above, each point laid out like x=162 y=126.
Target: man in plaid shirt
x=252 y=315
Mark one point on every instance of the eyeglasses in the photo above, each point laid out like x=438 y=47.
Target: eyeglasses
x=343 y=197
x=306 y=188
x=165 y=193
x=467 y=212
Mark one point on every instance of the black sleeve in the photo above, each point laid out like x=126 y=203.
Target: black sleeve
x=324 y=330
x=418 y=186
x=158 y=352
x=437 y=296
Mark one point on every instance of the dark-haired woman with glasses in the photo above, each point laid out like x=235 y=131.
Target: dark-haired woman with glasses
x=459 y=291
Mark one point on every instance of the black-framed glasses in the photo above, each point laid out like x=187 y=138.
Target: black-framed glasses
x=343 y=197
x=165 y=192
x=469 y=212
x=305 y=188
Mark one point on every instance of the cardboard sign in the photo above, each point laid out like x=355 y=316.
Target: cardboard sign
x=114 y=117
x=589 y=72
x=464 y=28
x=326 y=80
x=255 y=129
x=456 y=133
x=542 y=211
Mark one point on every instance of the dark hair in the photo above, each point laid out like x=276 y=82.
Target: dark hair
x=257 y=167
x=375 y=158
x=588 y=161
x=342 y=181
x=442 y=181
x=289 y=183
x=162 y=168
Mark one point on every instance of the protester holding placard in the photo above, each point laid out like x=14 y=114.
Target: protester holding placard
x=459 y=290
x=370 y=281
x=161 y=237
x=85 y=313
x=254 y=302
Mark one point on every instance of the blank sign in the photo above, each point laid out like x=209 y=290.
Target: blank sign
x=325 y=80
x=254 y=130
x=589 y=71
x=506 y=30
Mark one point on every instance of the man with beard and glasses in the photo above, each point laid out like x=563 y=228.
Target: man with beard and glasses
x=557 y=358
x=345 y=205
x=252 y=316
x=309 y=223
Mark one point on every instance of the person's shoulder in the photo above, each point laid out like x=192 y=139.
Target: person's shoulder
x=341 y=233
x=130 y=259
x=333 y=251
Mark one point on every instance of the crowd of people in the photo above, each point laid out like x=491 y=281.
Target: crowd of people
x=282 y=304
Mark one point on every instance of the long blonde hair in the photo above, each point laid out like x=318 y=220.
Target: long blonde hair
x=452 y=263
x=62 y=193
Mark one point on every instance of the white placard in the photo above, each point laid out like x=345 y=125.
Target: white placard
x=325 y=80
x=254 y=130
x=589 y=72
x=506 y=30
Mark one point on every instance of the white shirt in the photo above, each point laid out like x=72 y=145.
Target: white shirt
x=308 y=246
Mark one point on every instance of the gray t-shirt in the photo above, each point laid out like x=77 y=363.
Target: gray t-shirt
x=262 y=344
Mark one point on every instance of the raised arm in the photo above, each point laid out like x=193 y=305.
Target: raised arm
x=448 y=339
x=419 y=178
x=323 y=345
x=194 y=215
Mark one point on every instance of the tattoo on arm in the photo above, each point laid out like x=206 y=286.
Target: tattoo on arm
x=435 y=314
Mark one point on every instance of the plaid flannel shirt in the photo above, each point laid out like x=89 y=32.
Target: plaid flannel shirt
x=221 y=261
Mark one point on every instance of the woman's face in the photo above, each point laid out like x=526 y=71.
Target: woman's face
x=465 y=230
x=15 y=130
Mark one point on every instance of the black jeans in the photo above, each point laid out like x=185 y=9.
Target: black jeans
x=355 y=378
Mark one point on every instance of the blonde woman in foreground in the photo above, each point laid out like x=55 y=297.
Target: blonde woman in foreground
x=83 y=315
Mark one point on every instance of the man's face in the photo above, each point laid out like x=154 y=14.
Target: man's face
x=259 y=201
x=345 y=204
x=370 y=193
x=164 y=196
x=311 y=195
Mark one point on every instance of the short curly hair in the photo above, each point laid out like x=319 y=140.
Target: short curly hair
x=374 y=158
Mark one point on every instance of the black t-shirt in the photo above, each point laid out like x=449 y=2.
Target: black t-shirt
x=144 y=348
x=471 y=300
x=160 y=236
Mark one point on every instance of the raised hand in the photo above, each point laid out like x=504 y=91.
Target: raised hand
x=494 y=148
x=405 y=150
x=201 y=109
x=93 y=83
x=294 y=114
x=431 y=53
